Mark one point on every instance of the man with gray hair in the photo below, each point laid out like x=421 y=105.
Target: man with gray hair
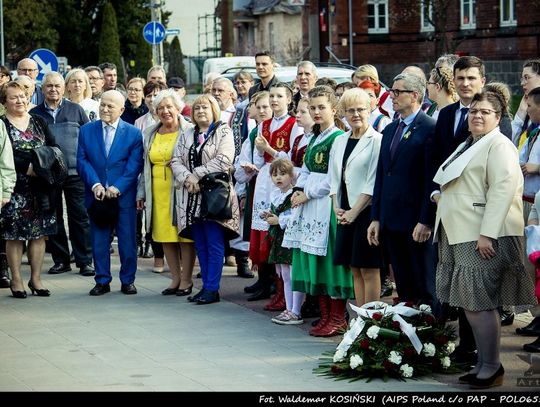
x=29 y=67
x=402 y=212
x=306 y=76
x=64 y=119
x=156 y=74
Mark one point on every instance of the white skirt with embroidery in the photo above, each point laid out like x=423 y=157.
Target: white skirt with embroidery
x=307 y=229
x=261 y=198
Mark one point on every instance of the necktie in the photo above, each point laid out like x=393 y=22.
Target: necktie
x=397 y=138
x=108 y=138
x=464 y=111
x=201 y=139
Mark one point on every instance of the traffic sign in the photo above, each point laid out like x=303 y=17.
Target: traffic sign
x=46 y=61
x=154 y=32
x=172 y=31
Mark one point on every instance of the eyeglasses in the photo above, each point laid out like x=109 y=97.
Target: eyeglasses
x=94 y=78
x=134 y=90
x=483 y=112
x=352 y=111
x=27 y=69
x=397 y=92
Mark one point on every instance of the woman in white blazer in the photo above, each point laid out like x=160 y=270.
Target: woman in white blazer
x=480 y=224
x=352 y=171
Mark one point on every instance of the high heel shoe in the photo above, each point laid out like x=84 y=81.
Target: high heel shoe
x=17 y=294
x=41 y=292
x=495 y=380
x=466 y=379
x=184 y=291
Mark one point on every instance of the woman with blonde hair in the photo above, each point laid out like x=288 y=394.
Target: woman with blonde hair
x=441 y=90
x=78 y=91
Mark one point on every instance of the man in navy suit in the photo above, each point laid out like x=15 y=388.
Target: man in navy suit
x=402 y=212
x=109 y=160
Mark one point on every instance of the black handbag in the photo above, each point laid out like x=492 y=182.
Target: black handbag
x=215 y=196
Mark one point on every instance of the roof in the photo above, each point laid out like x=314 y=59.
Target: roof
x=274 y=6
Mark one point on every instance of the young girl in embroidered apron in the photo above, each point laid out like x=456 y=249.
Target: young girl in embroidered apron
x=274 y=135
x=312 y=230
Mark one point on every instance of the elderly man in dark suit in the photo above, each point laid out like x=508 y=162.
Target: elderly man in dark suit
x=402 y=212
x=109 y=161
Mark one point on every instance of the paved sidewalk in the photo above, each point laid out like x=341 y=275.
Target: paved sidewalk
x=149 y=342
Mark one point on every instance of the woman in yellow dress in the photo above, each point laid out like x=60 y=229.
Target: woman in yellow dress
x=155 y=192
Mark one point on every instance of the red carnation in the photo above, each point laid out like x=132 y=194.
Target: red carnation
x=336 y=369
x=430 y=319
x=364 y=344
x=395 y=325
x=395 y=301
x=409 y=352
x=388 y=365
x=441 y=340
x=377 y=316
x=409 y=304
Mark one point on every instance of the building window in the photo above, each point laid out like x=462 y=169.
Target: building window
x=426 y=15
x=271 y=43
x=508 y=13
x=468 y=14
x=377 y=16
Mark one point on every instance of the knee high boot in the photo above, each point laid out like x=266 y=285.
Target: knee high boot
x=336 y=323
x=277 y=303
x=266 y=274
x=324 y=306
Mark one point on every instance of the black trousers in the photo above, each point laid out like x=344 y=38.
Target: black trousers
x=78 y=223
x=412 y=264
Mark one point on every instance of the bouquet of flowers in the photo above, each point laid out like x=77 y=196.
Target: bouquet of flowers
x=399 y=341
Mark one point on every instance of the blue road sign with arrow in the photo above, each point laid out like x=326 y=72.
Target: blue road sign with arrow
x=154 y=32
x=46 y=61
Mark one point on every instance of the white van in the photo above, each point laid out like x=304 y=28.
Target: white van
x=221 y=64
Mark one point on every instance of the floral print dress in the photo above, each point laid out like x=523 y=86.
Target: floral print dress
x=22 y=218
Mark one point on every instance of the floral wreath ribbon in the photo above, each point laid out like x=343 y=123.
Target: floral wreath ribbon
x=367 y=311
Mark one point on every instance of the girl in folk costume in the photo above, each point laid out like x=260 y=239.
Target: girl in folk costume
x=312 y=229
x=274 y=136
x=304 y=121
x=246 y=172
x=282 y=171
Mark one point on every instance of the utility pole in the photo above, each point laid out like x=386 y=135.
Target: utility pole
x=157 y=49
x=227 y=33
x=2 y=57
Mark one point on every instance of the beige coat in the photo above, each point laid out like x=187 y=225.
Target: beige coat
x=8 y=177
x=481 y=191
x=217 y=156
x=144 y=189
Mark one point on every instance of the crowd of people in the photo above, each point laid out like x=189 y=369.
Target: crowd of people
x=330 y=193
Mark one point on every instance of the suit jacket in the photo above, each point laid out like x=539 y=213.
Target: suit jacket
x=361 y=166
x=402 y=187
x=120 y=169
x=481 y=191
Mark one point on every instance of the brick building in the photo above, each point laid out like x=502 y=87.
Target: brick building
x=393 y=33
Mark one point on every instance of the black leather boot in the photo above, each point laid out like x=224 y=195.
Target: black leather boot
x=147 y=251
x=266 y=275
x=4 y=272
x=242 y=264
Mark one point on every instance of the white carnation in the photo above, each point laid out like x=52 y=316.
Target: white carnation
x=339 y=355
x=356 y=361
x=425 y=308
x=429 y=349
x=451 y=347
x=445 y=362
x=395 y=357
x=406 y=370
x=373 y=332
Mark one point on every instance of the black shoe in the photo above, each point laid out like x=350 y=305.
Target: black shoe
x=18 y=294
x=209 y=297
x=100 y=289
x=87 y=271
x=386 y=288
x=195 y=297
x=128 y=289
x=464 y=358
x=60 y=268
x=5 y=282
x=533 y=347
x=169 y=291
x=507 y=318
x=40 y=292
x=262 y=294
x=466 y=379
x=533 y=329
x=147 y=251
x=495 y=380
x=181 y=292
x=253 y=288
x=242 y=264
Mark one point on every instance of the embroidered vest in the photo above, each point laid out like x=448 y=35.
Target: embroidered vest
x=236 y=127
x=279 y=139
x=297 y=155
x=317 y=156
